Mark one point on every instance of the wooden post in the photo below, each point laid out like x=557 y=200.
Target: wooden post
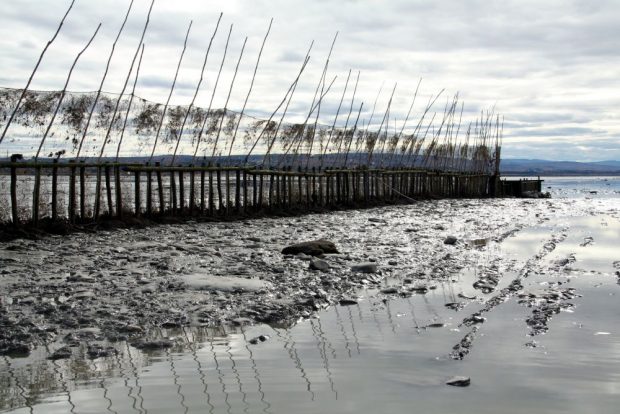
x=173 y=192
x=211 y=192
x=254 y=187
x=36 y=193
x=237 y=190
x=119 y=195
x=108 y=186
x=270 y=191
x=228 y=199
x=284 y=180
x=181 y=191
x=260 y=191
x=149 y=193
x=192 y=191
x=328 y=181
x=220 y=203
x=202 y=190
x=299 y=189
x=71 y=212
x=83 y=191
x=245 y=191
x=160 y=189
x=137 y=208
x=55 y=190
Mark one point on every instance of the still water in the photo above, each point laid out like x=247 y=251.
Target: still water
x=388 y=355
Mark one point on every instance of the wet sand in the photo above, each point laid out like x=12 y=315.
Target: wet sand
x=523 y=303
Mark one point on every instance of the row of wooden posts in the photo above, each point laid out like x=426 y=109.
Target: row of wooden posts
x=225 y=191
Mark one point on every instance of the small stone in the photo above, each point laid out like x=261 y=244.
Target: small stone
x=450 y=240
x=347 y=302
x=392 y=262
x=365 y=268
x=389 y=290
x=318 y=264
x=459 y=381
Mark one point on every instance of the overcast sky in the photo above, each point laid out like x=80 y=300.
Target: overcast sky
x=552 y=68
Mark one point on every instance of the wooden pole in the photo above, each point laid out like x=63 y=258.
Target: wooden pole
x=181 y=191
x=55 y=190
x=192 y=192
x=36 y=196
x=137 y=209
x=36 y=67
x=173 y=192
x=149 y=193
x=83 y=192
x=71 y=212
x=108 y=185
x=119 y=192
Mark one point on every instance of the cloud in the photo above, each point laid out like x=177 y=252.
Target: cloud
x=549 y=68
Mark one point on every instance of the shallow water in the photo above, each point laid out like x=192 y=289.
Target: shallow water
x=387 y=353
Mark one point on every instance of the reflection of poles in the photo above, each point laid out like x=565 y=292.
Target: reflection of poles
x=174 y=82
x=36 y=67
x=202 y=72
x=343 y=331
x=64 y=91
x=357 y=342
x=249 y=90
x=201 y=374
x=103 y=78
x=413 y=318
x=134 y=370
x=125 y=377
x=220 y=375
x=22 y=390
x=175 y=377
x=256 y=373
x=319 y=336
x=289 y=345
x=233 y=367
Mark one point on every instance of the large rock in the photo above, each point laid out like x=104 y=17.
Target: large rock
x=459 y=381
x=365 y=267
x=311 y=248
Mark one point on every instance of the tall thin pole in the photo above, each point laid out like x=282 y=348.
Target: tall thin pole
x=36 y=67
x=120 y=96
x=191 y=105
x=247 y=97
x=217 y=81
x=103 y=78
x=232 y=83
x=174 y=82
x=346 y=124
x=333 y=128
x=64 y=91
x=133 y=94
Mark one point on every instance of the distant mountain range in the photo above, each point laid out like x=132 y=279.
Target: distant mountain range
x=546 y=167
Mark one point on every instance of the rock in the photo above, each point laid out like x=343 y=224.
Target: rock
x=367 y=267
x=455 y=305
x=157 y=344
x=389 y=290
x=459 y=381
x=242 y=321
x=435 y=325
x=347 y=302
x=450 y=240
x=61 y=353
x=260 y=338
x=392 y=262
x=311 y=248
x=318 y=264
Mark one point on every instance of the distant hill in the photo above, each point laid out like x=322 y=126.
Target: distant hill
x=546 y=167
